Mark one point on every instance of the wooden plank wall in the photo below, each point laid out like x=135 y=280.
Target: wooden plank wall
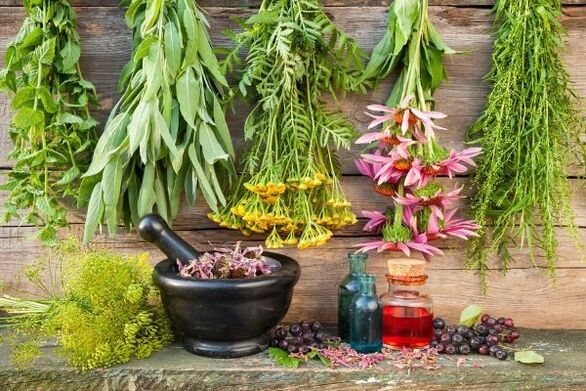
x=524 y=294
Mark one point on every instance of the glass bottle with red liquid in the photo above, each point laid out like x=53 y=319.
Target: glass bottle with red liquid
x=407 y=310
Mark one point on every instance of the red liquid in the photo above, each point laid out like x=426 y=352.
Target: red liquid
x=407 y=326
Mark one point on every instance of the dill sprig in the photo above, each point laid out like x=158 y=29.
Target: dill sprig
x=529 y=131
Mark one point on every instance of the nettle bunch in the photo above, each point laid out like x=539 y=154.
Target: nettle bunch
x=225 y=262
x=52 y=130
x=103 y=308
x=403 y=166
x=290 y=184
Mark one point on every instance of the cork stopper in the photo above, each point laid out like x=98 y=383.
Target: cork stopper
x=406 y=271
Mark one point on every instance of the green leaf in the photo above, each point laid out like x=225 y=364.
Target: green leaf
x=188 y=96
x=68 y=118
x=163 y=129
x=43 y=204
x=407 y=12
x=69 y=176
x=222 y=126
x=33 y=38
x=204 y=183
x=70 y=54
x=144 y=48
x=48 y=102
x=281 y=357
x=212 y=150
x=95 y=212
x=529 y=357
x=437 y=40
x=138 y=126
x=147 y=196
x=27 y=117
x=173 y=47
x=470 y=315
x=153 y=8
x=46 y=52
x=23 y=96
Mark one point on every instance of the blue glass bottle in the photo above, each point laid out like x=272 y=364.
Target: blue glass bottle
x=366 y=318
x=347 y=289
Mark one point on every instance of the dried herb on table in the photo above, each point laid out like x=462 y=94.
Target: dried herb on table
x=102 y=308
x=529 y=138
x=412 y=45
x=52 y=130
x=290 y=184
x=225 y=262
x=167 y=135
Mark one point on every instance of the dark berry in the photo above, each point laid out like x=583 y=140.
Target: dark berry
x=493 y=349
x=509 y=323
x=434 y=343
x=283 y=344
x=501 y=354
x=499 y=328
x=515 y=335
x=446 y=339
x=451 y=330
x=321 y=345
x=483 y=349
x=295 y=329
x=476 y=342
x=315 y=326
x=307 y=336
x=492 y=331
x=319 y=336
x=438 y=323
x=462 y=330
x=482 y=329
x=470 y=334
x=492 y=340
x=457 y=339
x=490 y=322
x=304 y=349
x=280 y=333
x=274 y=343
x=501 y=320
x=484 y=318
x=508 y=339
x=297 y=340
x=304 y=326
x=292 y=348
x=440 y=348
x=464 y=349
x=450 y=349
x=438 y=332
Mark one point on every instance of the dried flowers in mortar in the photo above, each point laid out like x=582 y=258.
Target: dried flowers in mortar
x=404 y=166
x=290 y=185
x=227 y=262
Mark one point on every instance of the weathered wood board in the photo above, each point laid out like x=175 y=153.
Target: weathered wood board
x=466 y=26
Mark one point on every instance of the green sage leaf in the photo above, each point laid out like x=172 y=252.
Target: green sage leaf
x=470 y=315
x=529 y=357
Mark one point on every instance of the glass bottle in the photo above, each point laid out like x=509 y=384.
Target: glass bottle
x=407 y=310
x=347 y=289
x=366 y=318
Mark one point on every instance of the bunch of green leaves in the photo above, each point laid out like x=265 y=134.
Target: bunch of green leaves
x=283 y=358
x=102 y=308
x=52 y=130
x=167 y=135
x=529 y=131
x=290 y=184
x=411 y=44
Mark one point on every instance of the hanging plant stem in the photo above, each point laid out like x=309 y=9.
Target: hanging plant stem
x=290 y=184
x=52 y=130
x=167 y=136
x=529 y=131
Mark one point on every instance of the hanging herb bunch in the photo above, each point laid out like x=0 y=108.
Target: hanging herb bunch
x=290 y=184
x=167 y=135
x=528 y=138
x=52 y=130
x=102 y=308
x=405 y=156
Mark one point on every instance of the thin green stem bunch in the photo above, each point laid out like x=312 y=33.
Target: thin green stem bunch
x=529 y=132
x=52 y=130
x=290 y=185
x=167 y=135
x=412 y=45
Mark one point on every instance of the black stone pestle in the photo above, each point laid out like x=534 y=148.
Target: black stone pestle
x=154 y=229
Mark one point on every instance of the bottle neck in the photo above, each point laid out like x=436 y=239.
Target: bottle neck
x=367 y=287
x=357 y=263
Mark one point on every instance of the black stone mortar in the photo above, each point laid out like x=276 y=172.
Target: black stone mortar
x=223 y=318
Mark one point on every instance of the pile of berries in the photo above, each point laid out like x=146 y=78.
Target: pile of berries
x=485 y=338
x=299 y=337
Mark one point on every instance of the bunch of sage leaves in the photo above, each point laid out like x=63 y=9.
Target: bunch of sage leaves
x=167 y=135
x=52 y=130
